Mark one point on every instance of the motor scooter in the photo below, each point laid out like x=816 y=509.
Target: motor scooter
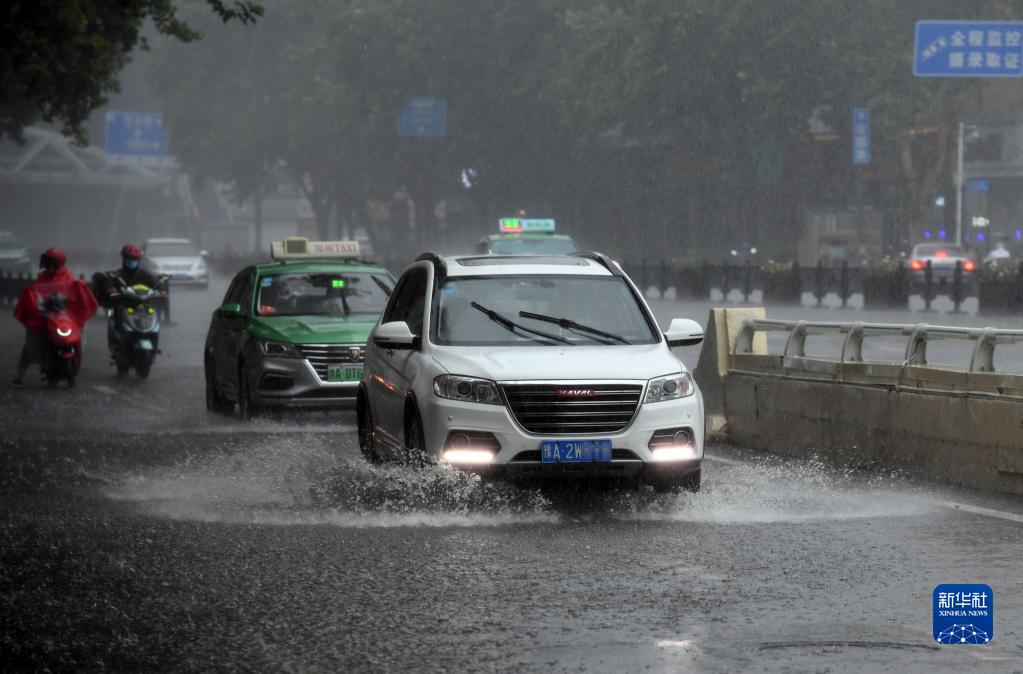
x=133 y=329
x=64 y=358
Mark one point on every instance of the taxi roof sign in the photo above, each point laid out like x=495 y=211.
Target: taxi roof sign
x=523 y=225
x=301 y=248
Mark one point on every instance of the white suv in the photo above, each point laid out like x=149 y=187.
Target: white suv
x=531 y=367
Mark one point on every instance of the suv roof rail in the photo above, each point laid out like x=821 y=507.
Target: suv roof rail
x=602 y=259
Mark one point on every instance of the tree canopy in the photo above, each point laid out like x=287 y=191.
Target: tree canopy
x=60 y=58
x=690 y=120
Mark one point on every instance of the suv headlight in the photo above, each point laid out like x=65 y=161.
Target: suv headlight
x=670 y=388
x=279 y=349
x=468 y=389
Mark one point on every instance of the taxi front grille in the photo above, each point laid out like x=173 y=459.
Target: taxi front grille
x=559 y=409
x=322 y=356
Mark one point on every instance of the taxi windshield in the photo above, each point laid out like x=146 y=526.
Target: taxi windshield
x=597 y=306
x=533 y=246
x=320 y=294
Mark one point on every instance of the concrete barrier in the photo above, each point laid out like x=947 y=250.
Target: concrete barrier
x=963 y=426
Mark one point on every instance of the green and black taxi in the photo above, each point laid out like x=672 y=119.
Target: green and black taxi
x=293 y=332
x=527 y=236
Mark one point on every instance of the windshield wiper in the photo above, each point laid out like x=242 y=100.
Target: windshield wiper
x=512 y=326
x=569 y=324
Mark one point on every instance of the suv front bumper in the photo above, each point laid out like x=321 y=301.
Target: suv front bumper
x=519 y=452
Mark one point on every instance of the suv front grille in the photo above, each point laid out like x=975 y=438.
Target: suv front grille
x=321 y=356
x=540 y=409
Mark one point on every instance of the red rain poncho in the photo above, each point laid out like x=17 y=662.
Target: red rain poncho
x=81 y=302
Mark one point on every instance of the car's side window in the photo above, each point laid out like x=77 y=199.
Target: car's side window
x=417 y=302
x=230 y=297
x=245 y=294
x=408 y=301
x=394 y=307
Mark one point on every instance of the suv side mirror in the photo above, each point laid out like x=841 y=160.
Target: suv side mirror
x=231 y=310
x=684 y=332
x=395 y=335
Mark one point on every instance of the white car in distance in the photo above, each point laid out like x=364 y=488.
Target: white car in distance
x=180 y=259
x=531 y=367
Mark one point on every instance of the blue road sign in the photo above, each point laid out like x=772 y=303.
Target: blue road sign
x=861 y=136
x=136 y=138
x=423 y=117
x=968 y=49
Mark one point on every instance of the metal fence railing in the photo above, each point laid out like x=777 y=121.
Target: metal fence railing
x=984 y=340
x=881 y=286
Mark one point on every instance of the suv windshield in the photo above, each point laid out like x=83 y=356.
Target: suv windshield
x=172 y=249
x=323 y=294
x=605 y=304
x=533 y=247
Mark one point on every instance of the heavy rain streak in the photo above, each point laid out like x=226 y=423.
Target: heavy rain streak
x=534 y=336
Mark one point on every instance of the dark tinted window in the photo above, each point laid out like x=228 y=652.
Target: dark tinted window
x=409 y=300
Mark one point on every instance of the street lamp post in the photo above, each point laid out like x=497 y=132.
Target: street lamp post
x=959 y=179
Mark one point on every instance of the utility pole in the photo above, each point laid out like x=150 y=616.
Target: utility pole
x=958 y=179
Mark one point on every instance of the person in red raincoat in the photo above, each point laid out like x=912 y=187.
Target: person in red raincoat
x=55 y=278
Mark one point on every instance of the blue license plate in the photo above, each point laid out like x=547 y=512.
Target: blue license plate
x=575 y=451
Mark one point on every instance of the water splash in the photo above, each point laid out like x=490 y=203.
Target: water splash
x=304 y=480
x=770 y=489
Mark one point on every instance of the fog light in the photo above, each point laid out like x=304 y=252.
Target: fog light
x=468 y=456
x=678 y=453
x=458 y=441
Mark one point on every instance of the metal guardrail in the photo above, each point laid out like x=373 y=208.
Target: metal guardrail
x=918 y=335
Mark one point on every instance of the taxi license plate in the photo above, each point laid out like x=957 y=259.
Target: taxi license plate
x=344 y=373
x=575 y=451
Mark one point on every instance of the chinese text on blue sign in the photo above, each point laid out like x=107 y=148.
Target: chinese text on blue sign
x=136 y=138
x=968 y=49
x=423 y=117
x=861 y=136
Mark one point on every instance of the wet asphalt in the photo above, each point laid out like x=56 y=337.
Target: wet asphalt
x=141 y=533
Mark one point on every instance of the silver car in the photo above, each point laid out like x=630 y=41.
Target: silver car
x=179 y=259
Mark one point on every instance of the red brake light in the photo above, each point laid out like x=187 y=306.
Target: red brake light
x=916 y=265
x=941 y=253
x=969 y=265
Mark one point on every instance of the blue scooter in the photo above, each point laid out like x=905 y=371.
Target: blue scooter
x=133 y=330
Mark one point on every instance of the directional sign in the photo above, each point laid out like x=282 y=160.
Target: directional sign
x=423 y=117
x=136 y=138
x=861 y=136
x=968 y=49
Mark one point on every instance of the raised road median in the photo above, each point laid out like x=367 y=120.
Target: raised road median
x=874 y=397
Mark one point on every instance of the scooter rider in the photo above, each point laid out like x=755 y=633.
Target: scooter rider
x=131 y=272
x=55 y=278
x=108 y=285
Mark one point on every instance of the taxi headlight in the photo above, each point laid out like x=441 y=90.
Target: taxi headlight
x=468 y=389
x=670 y=388
x=279 y=349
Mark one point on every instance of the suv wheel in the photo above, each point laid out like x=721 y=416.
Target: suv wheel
x=415 y=438
x=367 y=444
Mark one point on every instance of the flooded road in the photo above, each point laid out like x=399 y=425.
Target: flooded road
x=142 y=533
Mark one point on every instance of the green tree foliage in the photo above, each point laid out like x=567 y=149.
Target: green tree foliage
x=60 y=58
x=689 y=119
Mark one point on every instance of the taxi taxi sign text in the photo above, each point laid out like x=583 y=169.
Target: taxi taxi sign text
x=298 y=248
x=520 y=225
